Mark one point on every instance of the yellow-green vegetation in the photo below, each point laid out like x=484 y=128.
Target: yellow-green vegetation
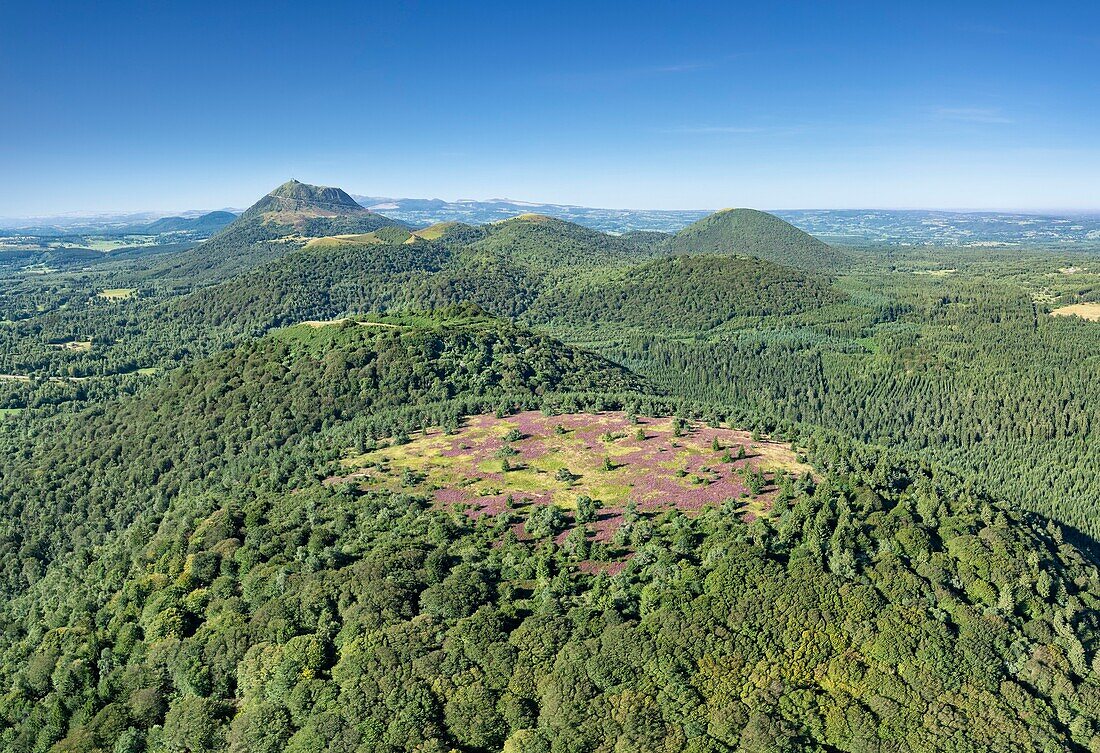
x=1089 y=311
x=337 y=322
x=492 y=463
x=108 y=244
x=435 y=232
x=383 y=235
x=117 y=294
x=338 y=241
x=76 y=346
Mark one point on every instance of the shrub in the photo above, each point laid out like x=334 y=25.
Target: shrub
x=544 y=520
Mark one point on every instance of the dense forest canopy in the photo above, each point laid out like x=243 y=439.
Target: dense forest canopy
x=189 y=562
x=755 y=233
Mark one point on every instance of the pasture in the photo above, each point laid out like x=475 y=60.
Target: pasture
x=1089 y=311
x=117 y=294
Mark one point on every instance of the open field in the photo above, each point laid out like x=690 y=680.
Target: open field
x=1090 y=311
x=76 y=346
x=117 y=294
x=491 y=465
x=337 y=241
x=337 y=322
x=386 y=235
x=108 y=244
x=434 y=232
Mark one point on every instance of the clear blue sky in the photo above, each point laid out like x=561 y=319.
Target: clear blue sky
x=157 y=105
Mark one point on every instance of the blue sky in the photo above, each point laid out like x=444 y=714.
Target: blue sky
x=127 y=106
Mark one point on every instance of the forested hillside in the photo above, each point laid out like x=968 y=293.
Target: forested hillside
x=752 y=233
x=78 y=477
x=684 y=293
x=223 y=529
x=964 y=368
x=240 y=600
x=970 y=377
x=211 y=222
x=282 y=221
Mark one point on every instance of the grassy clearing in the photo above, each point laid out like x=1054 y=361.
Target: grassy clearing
x=1089 y=311
x=434 y=232
x=385 y=235
x=339 y=241
x=491 y=465
x=117 y=294
x=337 y=322
x=74 y=346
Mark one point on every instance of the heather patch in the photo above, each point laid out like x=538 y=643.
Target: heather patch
x=627 y=465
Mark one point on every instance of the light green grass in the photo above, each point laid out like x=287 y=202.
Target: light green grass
x=1089 y=311
x=117 y=294
x=480 y=469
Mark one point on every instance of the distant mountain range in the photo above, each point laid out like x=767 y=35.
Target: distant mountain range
x=211 y=222
x=118 y=223
x=844 y=226
x=329 y=222
x=850 y=226
x=475 y=212
x=938 y=228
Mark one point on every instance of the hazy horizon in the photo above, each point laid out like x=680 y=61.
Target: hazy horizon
x=146 y=211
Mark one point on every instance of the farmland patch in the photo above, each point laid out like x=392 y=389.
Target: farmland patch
x=1090 y=311
x=117 y=294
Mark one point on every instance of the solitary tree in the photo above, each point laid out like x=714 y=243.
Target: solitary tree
x=544 y=520
x=586 y=509
x=756 y=481
x=577 y=542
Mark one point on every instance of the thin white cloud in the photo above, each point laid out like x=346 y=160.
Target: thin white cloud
x=972 y=114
